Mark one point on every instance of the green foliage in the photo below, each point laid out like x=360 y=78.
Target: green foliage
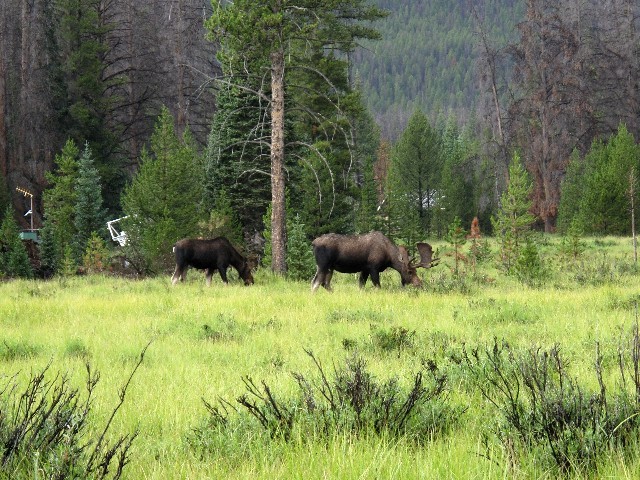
x=572 y=244
x=14 y=259
x=68 y=264
x=458 y=183
x=89 y=216
x=49 y=251
x=59 y=201
x=83 y=107
x=513 y=220
x=352 y=402
x=300 y=260
x=457 y=237
x=571 y=192
x=163 y=201
x=96 y=255
x=299 y=254
x=367 y=143
x=237 y=160
x=597 y=187
x=542 y=408
x=425 y=58
x=414 y=177
x=223 y=221
x=45 y=431
x=529 y=267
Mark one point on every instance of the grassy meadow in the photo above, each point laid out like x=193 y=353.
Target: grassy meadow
x=203 y=341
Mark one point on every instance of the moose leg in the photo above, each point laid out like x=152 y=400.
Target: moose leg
x=363 y=278
x=375 y=278
x=223 y=274
x=317 y=280
x=326 y=283
x=209 y=275
x=178 y=274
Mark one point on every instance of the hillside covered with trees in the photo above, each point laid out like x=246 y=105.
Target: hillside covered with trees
x=427 y=57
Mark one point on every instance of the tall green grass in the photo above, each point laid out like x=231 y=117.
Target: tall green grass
x=204 y=340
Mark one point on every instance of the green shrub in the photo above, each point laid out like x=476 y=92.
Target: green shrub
x=45 y=430
x=541 y=408
x=353 y=401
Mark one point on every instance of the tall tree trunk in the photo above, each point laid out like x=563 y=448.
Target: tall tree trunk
x=278 y=213
x=3 y=113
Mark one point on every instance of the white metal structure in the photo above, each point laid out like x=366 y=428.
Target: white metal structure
x=117 y=235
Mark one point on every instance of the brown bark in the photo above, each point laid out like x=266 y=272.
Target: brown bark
x=278 y=213
x=3 y=114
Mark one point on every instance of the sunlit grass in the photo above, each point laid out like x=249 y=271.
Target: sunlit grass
x=204 y=340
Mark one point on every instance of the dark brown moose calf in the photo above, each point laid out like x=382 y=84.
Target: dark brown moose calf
x=209 y=255
x=367 y=254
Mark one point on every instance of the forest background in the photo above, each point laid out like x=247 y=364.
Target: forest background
x=130 y=100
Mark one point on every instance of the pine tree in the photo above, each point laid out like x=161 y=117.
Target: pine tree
x=457 y=237
x=513 y=220
x=604 y=203
x=85 y=107
x=164 y=200
x=14 y=259
x=59 y=202
x=273 y=37
x=223 y=221
x=300 y=260
x=414 y=178
x=458 y=178
x=236 y=159
x=89 y=215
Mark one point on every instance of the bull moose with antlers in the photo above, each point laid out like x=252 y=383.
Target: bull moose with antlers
x=367 y=254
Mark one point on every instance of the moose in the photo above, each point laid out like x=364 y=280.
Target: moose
x=209 y=255
x=368 y=254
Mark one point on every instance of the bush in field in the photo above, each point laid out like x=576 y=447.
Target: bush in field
x=541 y=408
x=45 y=431
x=353 y=401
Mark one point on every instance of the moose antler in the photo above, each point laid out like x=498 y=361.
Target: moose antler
x=426 y=256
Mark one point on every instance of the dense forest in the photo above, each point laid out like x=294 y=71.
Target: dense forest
x=394 y=115
x=427 y=58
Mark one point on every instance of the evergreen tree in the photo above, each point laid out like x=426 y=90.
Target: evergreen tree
x=95 y=256
x=604 y=203
x=237 y=159
x=414 y=178
x=85 y=107
x=513 y=221
x=278 y=37
x=89 y=215
x=457 y=237
x=571 y=192
x=223 y=221
x=300 y=260
x=458 y=178
x=50 y=254
x=367 y=143
x=164 y=200
x=14 y=259
x=59 y=202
